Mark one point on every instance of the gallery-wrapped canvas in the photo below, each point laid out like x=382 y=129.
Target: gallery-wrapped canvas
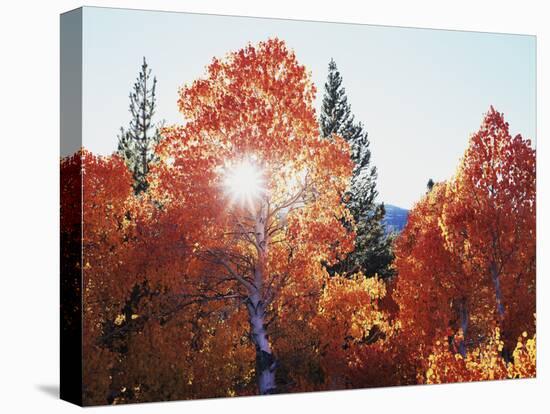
x=259 y=206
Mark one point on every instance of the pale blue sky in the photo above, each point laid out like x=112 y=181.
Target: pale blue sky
x=419 y=92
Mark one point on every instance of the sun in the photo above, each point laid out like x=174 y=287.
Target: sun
x=244 y=182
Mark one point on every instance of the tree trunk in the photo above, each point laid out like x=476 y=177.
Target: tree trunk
x=266 y=363
x=464 y=326
x=498 y=294
x=506 y=351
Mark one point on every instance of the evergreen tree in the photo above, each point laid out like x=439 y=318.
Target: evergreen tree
x=372 y=253
x=137 y=143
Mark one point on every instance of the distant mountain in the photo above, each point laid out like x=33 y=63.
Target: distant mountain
x=395 y=218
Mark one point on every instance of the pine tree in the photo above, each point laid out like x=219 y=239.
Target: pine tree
x=136 y=144
x=372 y=253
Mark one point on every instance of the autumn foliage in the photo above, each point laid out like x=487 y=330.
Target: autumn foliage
x=192 y=289
x=466 y=263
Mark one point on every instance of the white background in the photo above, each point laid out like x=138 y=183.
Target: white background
x=29 y=193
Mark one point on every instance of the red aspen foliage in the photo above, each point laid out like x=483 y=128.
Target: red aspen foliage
x=98 y=187
x=263 y=252
x=491 y=222
x=466 y=263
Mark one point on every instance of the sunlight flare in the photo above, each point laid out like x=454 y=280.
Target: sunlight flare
x=244 y=181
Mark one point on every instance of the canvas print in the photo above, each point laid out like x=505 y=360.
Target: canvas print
x=258 y=206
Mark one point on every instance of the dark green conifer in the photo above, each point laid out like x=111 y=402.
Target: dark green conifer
x=372 y=253
x=137 y=143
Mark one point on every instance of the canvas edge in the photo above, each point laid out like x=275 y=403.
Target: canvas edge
x=71 y=370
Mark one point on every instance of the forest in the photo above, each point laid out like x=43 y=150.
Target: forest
x=243 y=251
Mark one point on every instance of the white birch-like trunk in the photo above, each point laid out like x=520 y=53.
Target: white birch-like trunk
x=266 y=363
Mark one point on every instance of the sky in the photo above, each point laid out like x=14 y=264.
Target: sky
x=419 y=92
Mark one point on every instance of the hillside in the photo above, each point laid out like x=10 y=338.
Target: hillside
x=395 y=218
